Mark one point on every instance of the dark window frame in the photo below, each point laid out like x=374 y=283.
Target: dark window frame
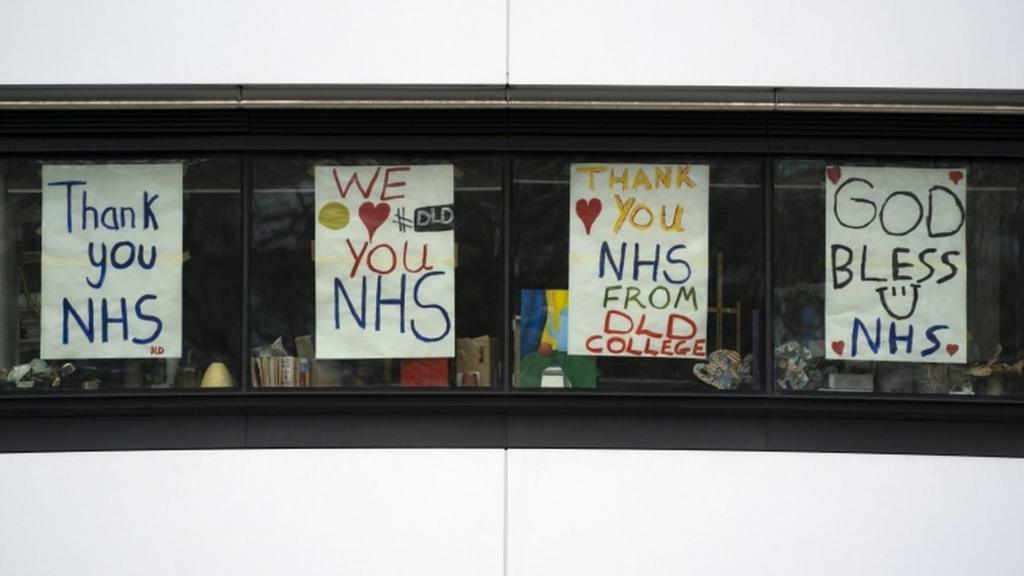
x=511 y=418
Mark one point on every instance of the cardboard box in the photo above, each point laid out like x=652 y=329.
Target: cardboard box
x=474 y=361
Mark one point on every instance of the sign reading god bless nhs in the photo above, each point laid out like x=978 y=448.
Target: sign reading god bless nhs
x=638 y=260
x=896 y=276
x=385 y=261
x=111 y=261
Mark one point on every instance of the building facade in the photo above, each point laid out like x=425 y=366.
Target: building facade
x=511 y=288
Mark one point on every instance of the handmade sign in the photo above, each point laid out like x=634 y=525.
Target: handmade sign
x=638 y=260
x=111 y=261
x=896 y=264
x=385 y=262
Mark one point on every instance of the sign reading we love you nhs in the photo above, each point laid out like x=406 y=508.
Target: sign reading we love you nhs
x=638 y=260
x=896 y=264
x=385 y=261
x=111 y=261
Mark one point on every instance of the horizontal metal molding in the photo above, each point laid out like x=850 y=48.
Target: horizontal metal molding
x=512 y=97
x=519 y=123
x=347 y=123
x=121 y=122
x=903 y=426
x=893 y=125
x=636 y=123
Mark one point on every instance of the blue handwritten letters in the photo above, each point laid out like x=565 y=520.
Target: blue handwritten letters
x=896 y=264
x=385 y=261
x=111 y=261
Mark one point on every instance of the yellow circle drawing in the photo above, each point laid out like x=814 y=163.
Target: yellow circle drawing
x=334 y=215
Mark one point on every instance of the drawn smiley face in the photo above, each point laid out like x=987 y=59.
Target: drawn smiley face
x=899 y=301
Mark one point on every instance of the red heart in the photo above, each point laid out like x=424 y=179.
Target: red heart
x=952 y=348
x=838 y=346
x=955 y=176
x=588 y=210
x=373 y=216
x=833 y=173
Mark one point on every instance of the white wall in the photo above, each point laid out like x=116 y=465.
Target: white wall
x=252 y=41
x=252 y=513
x=811 y=43
x=593 y=512
x=717 y=513
x=806 y=43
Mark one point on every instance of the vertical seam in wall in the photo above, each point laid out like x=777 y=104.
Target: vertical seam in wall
x=508 y=39
x=504 y=517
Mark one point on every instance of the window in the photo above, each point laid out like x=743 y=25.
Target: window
x=638 y=280
x=957 y=330
x=630 y=273
x=104 y=302
x=285 y=314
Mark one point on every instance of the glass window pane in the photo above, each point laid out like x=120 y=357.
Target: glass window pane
x=283 y=292
x=915 y=354
x=210 y=276
x=647 y=358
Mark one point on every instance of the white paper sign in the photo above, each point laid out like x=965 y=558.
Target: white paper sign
x=111 y=262
x=896 y=264
x=638 y=260
x=385 y=262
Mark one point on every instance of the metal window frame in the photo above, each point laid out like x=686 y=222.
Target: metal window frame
x=506 y=121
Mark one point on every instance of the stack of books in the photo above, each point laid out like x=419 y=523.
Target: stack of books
x=281 y=372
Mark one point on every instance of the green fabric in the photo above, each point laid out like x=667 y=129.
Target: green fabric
x=581 y=371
